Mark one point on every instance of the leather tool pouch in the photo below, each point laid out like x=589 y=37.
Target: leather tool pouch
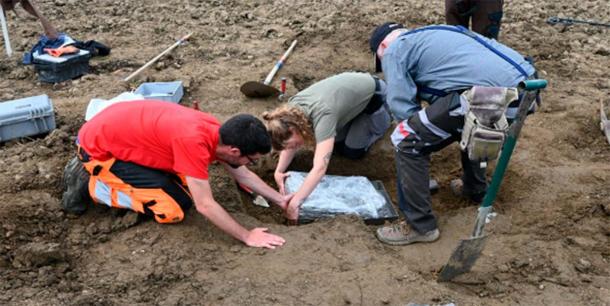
x=485 y=124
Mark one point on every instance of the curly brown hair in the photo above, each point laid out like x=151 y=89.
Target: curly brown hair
x=282 y=119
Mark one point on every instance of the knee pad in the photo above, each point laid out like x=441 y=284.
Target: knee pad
x=165 y=211
x=168 y=218
x=493 y=29
x=495 y=17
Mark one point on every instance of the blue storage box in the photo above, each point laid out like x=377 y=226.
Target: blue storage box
x=166 y=91
x=58 y=69
x=26 y=117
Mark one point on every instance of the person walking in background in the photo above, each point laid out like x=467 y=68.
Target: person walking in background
x=27 y=5
x=485 y=15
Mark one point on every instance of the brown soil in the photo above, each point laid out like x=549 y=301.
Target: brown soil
x=548 y=245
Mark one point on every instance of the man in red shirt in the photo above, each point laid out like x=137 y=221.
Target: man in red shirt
x=153 y=156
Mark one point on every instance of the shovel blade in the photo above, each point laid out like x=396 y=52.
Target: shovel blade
x=463 y=258
x=258 y=90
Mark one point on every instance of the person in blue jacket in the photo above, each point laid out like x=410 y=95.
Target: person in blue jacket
x=436 y=64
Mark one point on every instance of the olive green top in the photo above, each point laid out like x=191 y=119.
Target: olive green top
x=333 y=102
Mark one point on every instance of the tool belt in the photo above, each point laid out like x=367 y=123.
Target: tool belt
x=485 y=123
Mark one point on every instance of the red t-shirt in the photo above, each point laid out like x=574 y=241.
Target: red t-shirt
x=156 y=134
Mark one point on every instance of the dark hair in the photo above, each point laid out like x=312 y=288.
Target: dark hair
x=247 y=133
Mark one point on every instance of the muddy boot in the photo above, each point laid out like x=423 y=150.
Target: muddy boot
x=457 y=188
x=76 y=192
x=402 y=234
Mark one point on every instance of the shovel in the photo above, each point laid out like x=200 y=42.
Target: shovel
x=160 y=55
x=469 y=250
x=604 y=124
x=571 y=21
x=254 y=89
x=7 y=41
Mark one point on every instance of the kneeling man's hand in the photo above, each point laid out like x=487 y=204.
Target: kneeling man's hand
x=259 y=238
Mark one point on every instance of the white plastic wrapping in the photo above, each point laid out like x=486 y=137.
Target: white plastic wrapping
x=97 y=105
x=335 y=195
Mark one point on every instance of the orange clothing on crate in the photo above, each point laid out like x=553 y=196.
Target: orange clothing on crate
x=62 y=50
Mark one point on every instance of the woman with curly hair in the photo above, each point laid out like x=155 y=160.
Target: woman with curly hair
x=344 y=112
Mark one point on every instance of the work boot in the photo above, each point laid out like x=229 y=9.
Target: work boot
x=457 y=188
x=76 y=192
x=402 y=234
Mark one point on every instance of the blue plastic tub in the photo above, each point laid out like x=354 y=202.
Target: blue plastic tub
x=58 y=69
x=166 y=91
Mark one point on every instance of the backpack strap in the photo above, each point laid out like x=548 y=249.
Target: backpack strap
x=463 y=30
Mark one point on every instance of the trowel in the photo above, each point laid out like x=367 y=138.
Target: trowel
x=468 y=250
x=259 y=200
x=255 y=89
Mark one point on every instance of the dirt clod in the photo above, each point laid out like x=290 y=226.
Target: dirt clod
x=37 y=254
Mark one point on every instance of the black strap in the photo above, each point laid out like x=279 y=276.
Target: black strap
x=462 y=30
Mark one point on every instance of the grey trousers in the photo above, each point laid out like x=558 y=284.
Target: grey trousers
x=413 y=164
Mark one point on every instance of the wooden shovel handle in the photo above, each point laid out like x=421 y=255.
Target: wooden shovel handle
x=279 y=64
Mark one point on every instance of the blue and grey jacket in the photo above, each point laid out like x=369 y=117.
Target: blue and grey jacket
x=429 y=62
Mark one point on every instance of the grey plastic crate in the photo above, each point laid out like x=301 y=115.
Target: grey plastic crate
x=26 y=117
x=166 y=91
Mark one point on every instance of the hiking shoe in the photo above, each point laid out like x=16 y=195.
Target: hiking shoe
x=402 y=234
x=76 y=188
x=457 y=188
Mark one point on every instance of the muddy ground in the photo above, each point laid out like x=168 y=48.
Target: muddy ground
x=548 y=245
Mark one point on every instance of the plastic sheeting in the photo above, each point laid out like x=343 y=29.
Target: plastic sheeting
x=97 y=105
x=336 y=195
